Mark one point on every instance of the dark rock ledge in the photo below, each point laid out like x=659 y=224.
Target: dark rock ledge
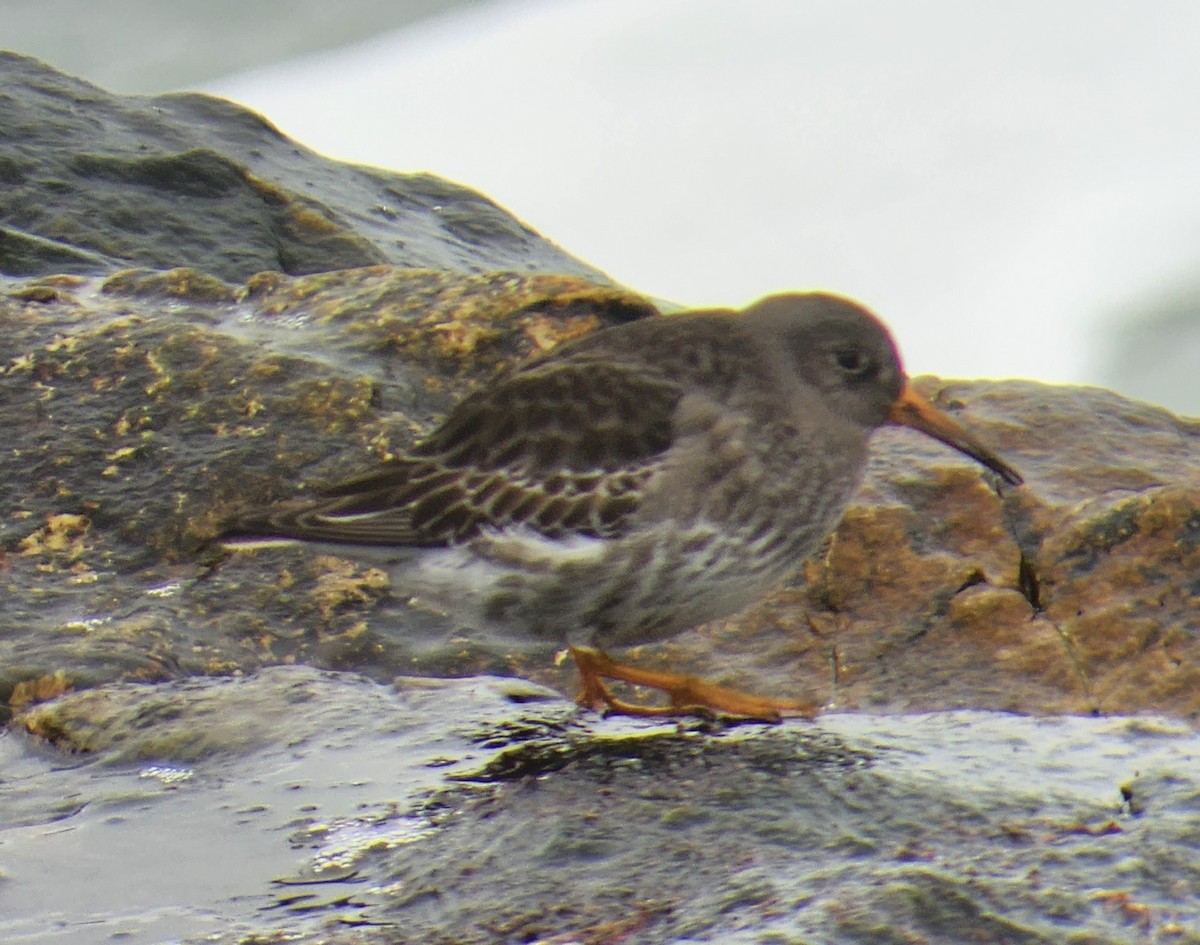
x=198 y=313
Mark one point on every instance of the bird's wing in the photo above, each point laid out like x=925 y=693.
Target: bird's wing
x=584 y=415
x=563 y=448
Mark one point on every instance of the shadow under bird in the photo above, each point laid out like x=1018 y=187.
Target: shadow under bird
x=628 y=485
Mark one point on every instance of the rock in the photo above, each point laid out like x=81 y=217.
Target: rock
x=152 y=379
x=95 y=182
x=143 y=405
x=465 y=811
x=146 y=406
x=1074 y=593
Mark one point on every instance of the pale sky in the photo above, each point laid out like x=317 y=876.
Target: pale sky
x=995 y=180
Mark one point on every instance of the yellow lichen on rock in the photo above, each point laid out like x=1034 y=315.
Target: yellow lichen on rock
x=30 y=691
x=340 y=583
x=62 y=536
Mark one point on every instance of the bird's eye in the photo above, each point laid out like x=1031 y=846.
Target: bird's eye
x=854 y=362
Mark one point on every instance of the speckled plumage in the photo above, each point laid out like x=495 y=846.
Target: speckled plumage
x=636 y=482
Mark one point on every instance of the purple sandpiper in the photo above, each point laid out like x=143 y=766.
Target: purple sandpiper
x=645 y=479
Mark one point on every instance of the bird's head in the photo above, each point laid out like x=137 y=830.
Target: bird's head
x=842 y=350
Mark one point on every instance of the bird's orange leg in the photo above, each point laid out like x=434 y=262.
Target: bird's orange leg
x=687 y=694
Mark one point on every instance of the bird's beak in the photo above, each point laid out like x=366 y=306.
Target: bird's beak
x=912 y=410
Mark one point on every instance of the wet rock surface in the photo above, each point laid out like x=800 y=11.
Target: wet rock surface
x=322 y=807
x=95 y=182
x=1077 y=592
x=146 y=407
x=161 y=689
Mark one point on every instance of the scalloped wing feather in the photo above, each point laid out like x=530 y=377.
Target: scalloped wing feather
x=579 y=415
x=559 y=447
x=424 y=504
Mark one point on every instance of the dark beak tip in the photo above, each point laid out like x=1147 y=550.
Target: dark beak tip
x=1007 y=475
x=1011 y=476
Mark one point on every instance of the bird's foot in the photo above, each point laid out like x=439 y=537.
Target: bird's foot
x=687 y=695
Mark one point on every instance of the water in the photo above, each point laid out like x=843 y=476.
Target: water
x=287 y=800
